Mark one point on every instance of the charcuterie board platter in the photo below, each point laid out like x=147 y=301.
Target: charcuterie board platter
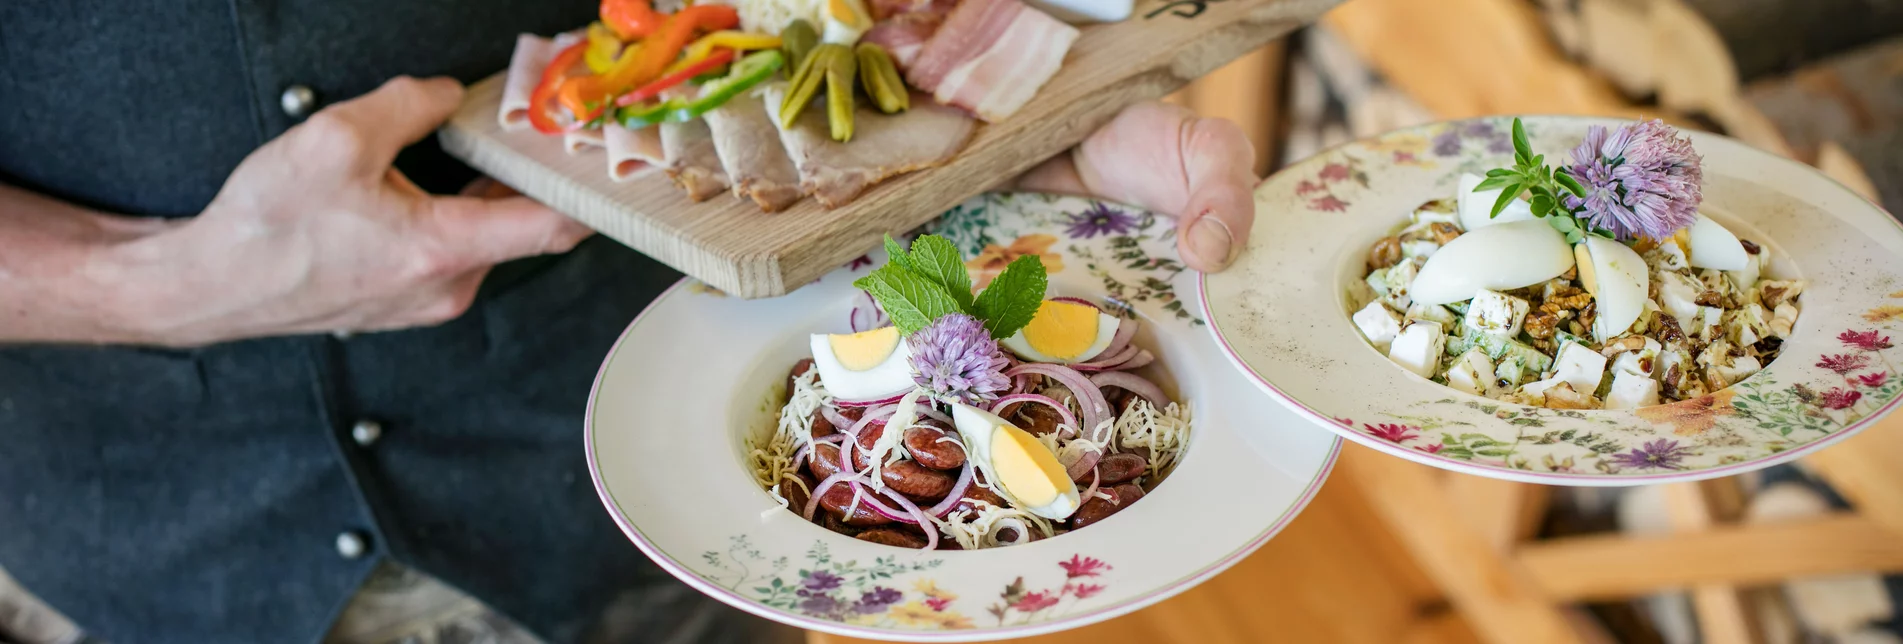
x=731 y=245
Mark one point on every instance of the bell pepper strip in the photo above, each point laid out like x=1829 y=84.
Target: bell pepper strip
x=641 y=67
x=635 y=117
x=651 y=90
x=630 y=19
x=553 y=76
x=756 y=68
x=735 y=40
x=604 y=48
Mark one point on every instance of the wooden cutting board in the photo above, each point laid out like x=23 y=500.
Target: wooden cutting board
x=732 y=246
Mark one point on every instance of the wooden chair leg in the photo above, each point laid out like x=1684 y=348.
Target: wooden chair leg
x=1722 y=615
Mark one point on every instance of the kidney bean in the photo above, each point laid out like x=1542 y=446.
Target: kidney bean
x=926 y=446
x=917 y=481
x=871 y=433
x=825 y=460
x=839 y=497
x=1118 y=468
x=799 y=368
x=795 y=495
x=821 y=426
x=1096 y=509
x=1036 y=419
x=975 y=493
x=892 y=537
x=828 y=521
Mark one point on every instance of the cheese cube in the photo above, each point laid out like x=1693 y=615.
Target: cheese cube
x=1632 y=391
x=1741 y=367
x=1642 y=362
x=1418 y=348
x=1679 y=295
x=1536 y=390
x=1472 y=372
x=1668 y=257
x=1436 y=211
x=1399 y=278
x=1512 y=371
x=1431 y=313
x=1581 y=367
x=1496 y=314
x=1378 y=323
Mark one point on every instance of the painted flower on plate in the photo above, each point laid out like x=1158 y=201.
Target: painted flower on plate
x=989 y=263
x=1874 y=380
x=1081 y=566
x=1658 y=454
x=1844 y=363
x=1694 y=416
x=1840 y=398
x=1391 y=432
x=1866 y=340
x=1101 y=219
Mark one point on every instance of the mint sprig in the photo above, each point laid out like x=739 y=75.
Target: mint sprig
x=1543 y=186
x=928 y=282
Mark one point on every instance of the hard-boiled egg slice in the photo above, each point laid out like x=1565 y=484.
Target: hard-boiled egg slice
x=1064 y=333
x=1712 y=246
x=1616 y=277
x=1497 y=258
x=865 y=365
x=844 y=21
x=1014 y=460
x=1475 y=207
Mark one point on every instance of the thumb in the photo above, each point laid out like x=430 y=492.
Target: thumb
x=1215 y=224
x=1164 y=158
x=491 y=231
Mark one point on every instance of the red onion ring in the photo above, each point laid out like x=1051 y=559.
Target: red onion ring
x=839 y=421
x=845 y=456
x=1022 y=384
x=917 y=518
x=1062 y=410
x=1085 y=463
x=1126 y=329
x=1124 y=355
x=812 y=502
x=800 y=454
x=1134 y=384
x=1095 y=408
x=830 y=438
x=882 y=400
x=1094 y=481
x=876 y=414
x=945 y=505
x=1078 y=300
x=1142 y=359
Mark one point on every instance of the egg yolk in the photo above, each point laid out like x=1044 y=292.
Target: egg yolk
x=1026 y=468
x=865 y=349
x=1062 y=330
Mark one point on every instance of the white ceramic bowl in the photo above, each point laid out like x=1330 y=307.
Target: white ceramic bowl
x=1282 y=314
x=697 y=370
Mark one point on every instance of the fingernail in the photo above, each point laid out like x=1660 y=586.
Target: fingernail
x=1210 y=238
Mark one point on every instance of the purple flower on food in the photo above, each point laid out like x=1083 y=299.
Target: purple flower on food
x=1101 y=219
x=876 y=600
x=1658 y=454
x=821 y=580
x=955 y=357
x=1641 y=180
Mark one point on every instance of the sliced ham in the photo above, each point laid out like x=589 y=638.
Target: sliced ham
x=579 y=141
x=632 y=153
x=991 y=56
x=883 y=145
x=532 y=55
x=751 y=153
x=903 y=37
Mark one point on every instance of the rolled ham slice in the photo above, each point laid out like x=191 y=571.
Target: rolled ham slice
x=991 y=56
x=532 y=55
x=578 y=141
x=883 y=145
x=691 y=159
x=752 y=155
x=631 y=153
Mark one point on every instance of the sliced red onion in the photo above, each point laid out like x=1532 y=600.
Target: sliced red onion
x=872 y=415
x=1134 y=384
x=830 y=438
x=944 y=506
x=1085 y=463
x=812 y=502
x=845 y=456
x=1142 y=359
x=1024 y=531
x=917 y=518
x=882 y=400
x=800 y=454
x=934 y=414
x=1094 y=480
x=1095 y=408
x=1110 y=362
x=1022 y=384
x=1077 y=300
x=1126 y=329
x=1062 y=410
x=839 y=421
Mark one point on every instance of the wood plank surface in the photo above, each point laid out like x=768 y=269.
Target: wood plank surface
x=1723 y=615
x=734 y=247
x=1620 y=566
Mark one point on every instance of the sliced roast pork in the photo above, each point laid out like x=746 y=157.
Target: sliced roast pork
x=991 y=56
x=751 y=153
x=883 y=145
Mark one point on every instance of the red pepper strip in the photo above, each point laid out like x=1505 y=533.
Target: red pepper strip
x=653 y=90
x=663 y=47
x=630 y=19
x=541 y=100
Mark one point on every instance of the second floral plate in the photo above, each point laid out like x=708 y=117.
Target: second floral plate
x=1282 y=314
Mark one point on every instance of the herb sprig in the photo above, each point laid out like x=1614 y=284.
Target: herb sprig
x=1543 y=186
x=928 y=282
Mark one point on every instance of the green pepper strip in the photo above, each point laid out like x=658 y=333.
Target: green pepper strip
x=752 y=70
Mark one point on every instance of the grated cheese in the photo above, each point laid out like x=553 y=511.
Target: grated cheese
x=889 y=448
x=978 y=530
x=1165 y=433
x=773 y=461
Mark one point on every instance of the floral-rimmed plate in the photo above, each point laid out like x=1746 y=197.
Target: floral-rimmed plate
x=1282 y=315
x=696 y=370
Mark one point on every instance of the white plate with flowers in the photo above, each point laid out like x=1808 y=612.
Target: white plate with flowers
x=1018 y=426
x=1568 y=300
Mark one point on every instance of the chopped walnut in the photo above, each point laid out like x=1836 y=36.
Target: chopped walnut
x=1540 y=325
x=1666 y=328
x=1572 y=272
x=1586 y=316
x=1385 y=253
x=1444 y=232
x=1773 y=293
x=1622 y=345
x=1711 y=298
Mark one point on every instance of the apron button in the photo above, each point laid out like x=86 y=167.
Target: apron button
x=351 y=544
x=298 y=101
x=366 y=432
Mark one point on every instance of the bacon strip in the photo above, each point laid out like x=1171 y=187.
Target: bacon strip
x=903 y=37
x=991 y=56
x=632 y=153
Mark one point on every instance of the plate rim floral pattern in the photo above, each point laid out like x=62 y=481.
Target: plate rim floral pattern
x=1388 y=437
x=1031 y=605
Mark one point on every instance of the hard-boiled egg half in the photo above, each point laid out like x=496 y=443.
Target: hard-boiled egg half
x=1711 y=245
x=1028 y=474
x=1064 y=333
x=844 y=21
x=1616 y=277
x=1476 y=208
x=1497 y=258
x=868 y=365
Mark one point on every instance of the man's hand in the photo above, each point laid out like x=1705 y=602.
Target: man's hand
x=1162 y=157
x=315 y=232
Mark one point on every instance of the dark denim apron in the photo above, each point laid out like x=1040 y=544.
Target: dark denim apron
x=203 y=495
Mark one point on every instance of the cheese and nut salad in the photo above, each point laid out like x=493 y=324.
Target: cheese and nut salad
x=1595 y=285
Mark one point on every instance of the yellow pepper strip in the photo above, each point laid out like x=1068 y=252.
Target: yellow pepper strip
x=604 y=48
x=739 y=41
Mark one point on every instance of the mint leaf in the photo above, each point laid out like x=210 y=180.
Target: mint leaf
x=1522 y=150
x=937 y=258
x=913 y=301
x=895 y=254
x=1013 y=297
x=1496 y=182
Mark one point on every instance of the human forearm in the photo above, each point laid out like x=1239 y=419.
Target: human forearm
x=62 y=272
